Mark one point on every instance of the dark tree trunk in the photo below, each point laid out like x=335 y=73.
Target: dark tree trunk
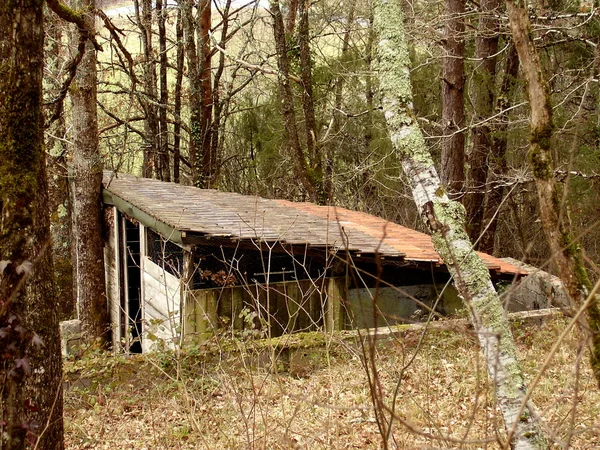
x=177 y=101
x=195 y=90
x=287 y=103
x=497 y=165
x=368 y=192
x=453 y=85
x=163 y=160
x=486 y=47
x=336 y=126
x=151 y=130
x=290 y=20
x=86 y=172
x=313 y=147
x=58 y=185
x=209 y=159
x=32 y=394
x=218 y=104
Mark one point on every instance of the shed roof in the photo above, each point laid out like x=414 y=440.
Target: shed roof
x=186 y=214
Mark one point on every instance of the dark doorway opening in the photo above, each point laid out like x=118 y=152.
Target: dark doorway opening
x=134 y=284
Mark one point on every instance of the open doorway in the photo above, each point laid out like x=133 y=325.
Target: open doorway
x=132 y=286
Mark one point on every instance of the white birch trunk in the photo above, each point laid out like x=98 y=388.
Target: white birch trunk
x=446 y=221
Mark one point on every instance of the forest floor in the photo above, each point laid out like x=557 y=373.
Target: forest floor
x=320 y=398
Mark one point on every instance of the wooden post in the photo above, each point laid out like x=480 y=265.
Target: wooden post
x=237 y=304
x=206 y=312
x=293 y=299
x=188 y=303
x=113 y=279
x=334 y=313
x=143 y=336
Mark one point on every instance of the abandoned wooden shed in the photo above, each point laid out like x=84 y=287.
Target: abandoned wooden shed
x=186 y=263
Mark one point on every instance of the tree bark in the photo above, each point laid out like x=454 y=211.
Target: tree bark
x=486 y=47
x=200 y=97
x=149 y=100
x=336 y=125
x=163 y=161
x=209 y=158
x=446 y=221
x=453 y=109
x=86 y=175
x=287 y=102
x=313 y=147
x=195 y=87
x=30 y=361
x=217 y=102
x=58 y=180
x=566 y=252
x=497 y=165
x=177 y=101
x=290 y=20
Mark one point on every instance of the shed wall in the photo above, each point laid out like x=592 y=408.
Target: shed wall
x=161 y=309
x=281 y=307
x=111 y=264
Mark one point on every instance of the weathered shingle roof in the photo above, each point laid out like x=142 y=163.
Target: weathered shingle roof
x=189 y=211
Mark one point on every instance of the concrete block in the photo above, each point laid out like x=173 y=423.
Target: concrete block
x=70 y=337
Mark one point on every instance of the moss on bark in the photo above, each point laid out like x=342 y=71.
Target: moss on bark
x=446 y=221
x=26 y=283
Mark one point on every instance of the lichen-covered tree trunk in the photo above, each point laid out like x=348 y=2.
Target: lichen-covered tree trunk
x=453 y=106
x=86 y=175
x=566 y=252
x=486 y=47
x=30 y=360
x=446 y=221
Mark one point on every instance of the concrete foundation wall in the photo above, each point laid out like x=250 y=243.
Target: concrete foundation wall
x=538 y=290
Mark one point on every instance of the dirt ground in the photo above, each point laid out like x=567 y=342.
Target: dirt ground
x=322 y=398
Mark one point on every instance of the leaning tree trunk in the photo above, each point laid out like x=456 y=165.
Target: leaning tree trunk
x=30 y=359
x=566 y=252
x=86 y=174
x=453 y=106
x=446 y=221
